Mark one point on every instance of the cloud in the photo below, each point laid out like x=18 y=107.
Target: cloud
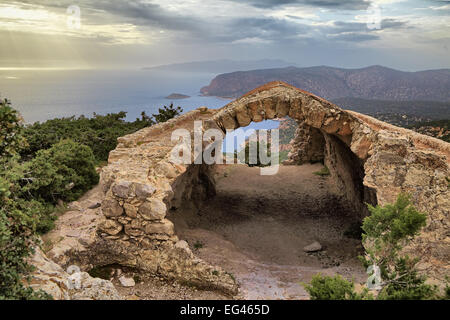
x=225 y=27
x=330 y=4
x=354 y=37
x=392 y=24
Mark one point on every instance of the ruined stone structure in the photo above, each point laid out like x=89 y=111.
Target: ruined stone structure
x=369 y=162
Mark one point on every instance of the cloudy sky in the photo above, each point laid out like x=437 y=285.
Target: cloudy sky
x=405 y=34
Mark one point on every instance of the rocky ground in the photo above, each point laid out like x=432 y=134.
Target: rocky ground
x=148 y=287
x=257 y=228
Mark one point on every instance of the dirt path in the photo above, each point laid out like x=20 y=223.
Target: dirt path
x=256 y=228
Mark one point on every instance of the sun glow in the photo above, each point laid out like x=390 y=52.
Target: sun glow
x=37 y=20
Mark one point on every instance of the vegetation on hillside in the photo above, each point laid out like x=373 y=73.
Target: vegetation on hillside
x=99 y=133
x=19 y=217
x=40 y=165
x=386 y=231
x=438 y=129
x=400 y=113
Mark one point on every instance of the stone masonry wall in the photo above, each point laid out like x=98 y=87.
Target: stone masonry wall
x=369 y=160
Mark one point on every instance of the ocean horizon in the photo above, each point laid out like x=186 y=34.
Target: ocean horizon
x=43 y=94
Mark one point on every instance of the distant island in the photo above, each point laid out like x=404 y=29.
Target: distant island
x=177 y=96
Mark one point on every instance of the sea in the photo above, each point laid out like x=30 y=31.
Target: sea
x=43 y=94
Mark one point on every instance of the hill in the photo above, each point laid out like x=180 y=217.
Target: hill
x=220 y=66
x=375 y=82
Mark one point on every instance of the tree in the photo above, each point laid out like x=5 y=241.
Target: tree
x=387 y=230
x=167 y=113
x=11 y=139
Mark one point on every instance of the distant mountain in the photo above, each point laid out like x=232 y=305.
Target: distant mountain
x=221 y=66
x=375 y=82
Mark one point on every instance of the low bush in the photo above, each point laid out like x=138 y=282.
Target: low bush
x=333 y=288
x=386 y=231
x=65 y=171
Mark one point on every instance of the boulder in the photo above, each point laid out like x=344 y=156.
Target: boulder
x=127 y=282
x=313 y=247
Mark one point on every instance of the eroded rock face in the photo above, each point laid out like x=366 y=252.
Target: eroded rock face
x=54 y=280
x=308 y=145
x=369 y=161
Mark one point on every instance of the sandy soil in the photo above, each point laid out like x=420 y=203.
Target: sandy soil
x=256 y=228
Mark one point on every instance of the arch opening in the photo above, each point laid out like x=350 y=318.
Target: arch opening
x=263 y=229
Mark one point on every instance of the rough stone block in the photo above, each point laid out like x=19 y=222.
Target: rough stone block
x=154 y=209
x=164 y=227
x=111 y=208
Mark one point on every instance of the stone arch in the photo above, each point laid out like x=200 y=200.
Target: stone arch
x=325 y=132
x=140 y=182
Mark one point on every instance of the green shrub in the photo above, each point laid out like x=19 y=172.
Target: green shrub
x=65 y=171
x=19 y=221
x=405 y=283
x=333 y=288
x=198 y=245
x=392 y=226
x=11 y=139
x=100 y=133
x=387 y=230
x=16 y=240
x=447 y=292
